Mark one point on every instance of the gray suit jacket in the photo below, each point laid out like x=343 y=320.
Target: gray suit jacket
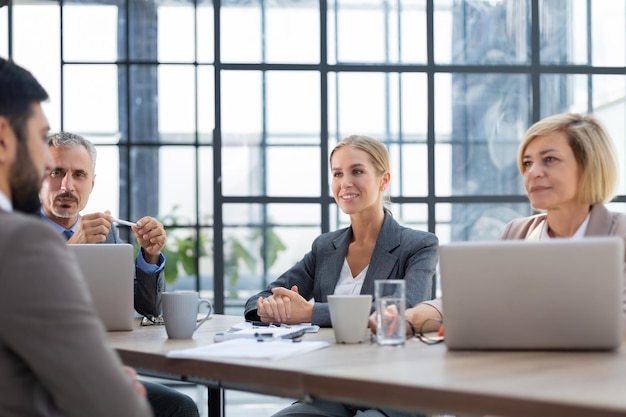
x=602 y=222
x=148 y=287
x=400 y=253
x=54 y=355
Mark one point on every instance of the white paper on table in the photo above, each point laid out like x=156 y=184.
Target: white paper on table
x=249 y=349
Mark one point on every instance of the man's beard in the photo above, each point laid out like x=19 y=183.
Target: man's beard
x=25 y=182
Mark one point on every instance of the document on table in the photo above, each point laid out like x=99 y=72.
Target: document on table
x=249 y=349
x=265 y=331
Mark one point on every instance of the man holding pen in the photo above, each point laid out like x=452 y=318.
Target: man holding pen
x=64 y=194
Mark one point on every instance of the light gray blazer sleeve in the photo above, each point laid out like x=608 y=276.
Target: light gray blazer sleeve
x=54 y=355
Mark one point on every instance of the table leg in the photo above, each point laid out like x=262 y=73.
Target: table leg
x=216 y=402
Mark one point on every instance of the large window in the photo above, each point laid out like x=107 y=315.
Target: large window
x=218 y=117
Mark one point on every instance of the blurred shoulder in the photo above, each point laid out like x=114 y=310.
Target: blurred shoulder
x=18 y=227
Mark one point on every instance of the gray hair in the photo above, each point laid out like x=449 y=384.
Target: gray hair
x=69 y=140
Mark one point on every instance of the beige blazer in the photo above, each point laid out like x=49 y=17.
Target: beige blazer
x=54 y=355
x=602 y=222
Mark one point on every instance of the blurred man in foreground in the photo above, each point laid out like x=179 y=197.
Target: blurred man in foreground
x=54 y=356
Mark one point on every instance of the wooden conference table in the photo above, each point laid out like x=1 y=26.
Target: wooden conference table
x=415 y=377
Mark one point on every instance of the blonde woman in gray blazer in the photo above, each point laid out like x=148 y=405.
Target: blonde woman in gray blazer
x=570 y=171
x=374 y=246
x=348 y=261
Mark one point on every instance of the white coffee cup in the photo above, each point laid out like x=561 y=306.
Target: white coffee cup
x=180 y=313
x=349 y=314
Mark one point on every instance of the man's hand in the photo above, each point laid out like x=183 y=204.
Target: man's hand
x=284 y=306
x=92 y=228
x=139 y=387
x=150 y=235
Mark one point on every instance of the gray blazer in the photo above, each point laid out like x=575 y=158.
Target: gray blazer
x=400 y=253
x=602 y=222
x=148 y=287
x=54 y=356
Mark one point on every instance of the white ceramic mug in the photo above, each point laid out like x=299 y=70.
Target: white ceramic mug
x=349 y=314
x=180 y=313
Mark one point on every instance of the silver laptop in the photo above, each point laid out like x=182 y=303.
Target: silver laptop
x=559 y=294
x=109 y=270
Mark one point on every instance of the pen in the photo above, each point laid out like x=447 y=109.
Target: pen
x=263 y=324
x=124 y=222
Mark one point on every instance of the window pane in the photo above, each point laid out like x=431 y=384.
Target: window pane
x=205 y=184
x=490 y=113
x=352 y=115
x=293 y=105
x=204 y=30
x=241 y=100
x=106 y=191
x=412 y=107
x=609 y=91
x=293 y=171
x=240 y=32
x=409 y=169
x=270 y=31
x=90 y=105
x=206 y=104
x=181 y=253
x=292 y=32
x=495 y=32
x=414 y=216
x=562 y=92
x=563 y=27
x=375 y=31
x=90 y=33
x=612 y=114
x=243 y=265
x=177 y=182
x=176 y=108
x=40 y=54
x=395 y=107
x=565 y=30
x=176 y=31
x=458 y=222
x=443 y=20
x=608 y=36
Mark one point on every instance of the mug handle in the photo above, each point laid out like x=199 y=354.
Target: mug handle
x=208 y=314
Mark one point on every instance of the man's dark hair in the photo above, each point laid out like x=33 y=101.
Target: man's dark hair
x=18 y=90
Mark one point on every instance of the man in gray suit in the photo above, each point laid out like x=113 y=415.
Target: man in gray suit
x=65 y=192
x=54 y=355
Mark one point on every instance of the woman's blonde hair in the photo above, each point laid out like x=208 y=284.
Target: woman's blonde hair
x=375 y=149
x=592 y=147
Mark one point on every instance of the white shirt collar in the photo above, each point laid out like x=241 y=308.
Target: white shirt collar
x=5 y=203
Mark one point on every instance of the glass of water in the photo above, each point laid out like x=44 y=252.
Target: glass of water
x=390 y=297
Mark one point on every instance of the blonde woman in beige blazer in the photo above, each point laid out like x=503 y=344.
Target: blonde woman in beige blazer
x=570 y=171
